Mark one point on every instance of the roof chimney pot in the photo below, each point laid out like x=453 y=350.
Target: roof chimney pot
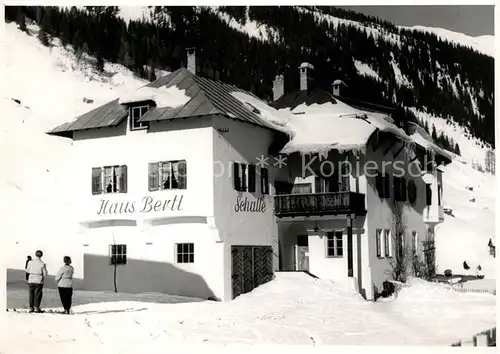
x=305 y=75
x=191 y=60
x=278 y=87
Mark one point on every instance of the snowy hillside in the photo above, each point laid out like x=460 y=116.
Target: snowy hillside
x=50 y=90
x=482 y=44
x=37 y=191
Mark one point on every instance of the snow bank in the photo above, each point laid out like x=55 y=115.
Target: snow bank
x=164 y=97
x=293 y=309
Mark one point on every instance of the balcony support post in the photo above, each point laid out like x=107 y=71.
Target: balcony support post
x=350 y=268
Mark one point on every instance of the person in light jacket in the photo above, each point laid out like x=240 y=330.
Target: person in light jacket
x=37 y=271
x=64 y=281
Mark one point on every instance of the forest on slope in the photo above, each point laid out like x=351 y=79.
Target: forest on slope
x=414 y=69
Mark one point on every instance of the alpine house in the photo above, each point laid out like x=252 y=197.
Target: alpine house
x=193 y=187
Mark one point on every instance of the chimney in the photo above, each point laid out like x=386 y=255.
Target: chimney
x=191 y=60
x=278 y=87
x=305 y=76
x=338 y=87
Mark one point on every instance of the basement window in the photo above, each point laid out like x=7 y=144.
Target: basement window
x=118 y=254
x=184 y=252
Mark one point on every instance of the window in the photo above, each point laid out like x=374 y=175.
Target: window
x=264 y=180
x=302 y=240
x=379 y=243
x=334 y=183
x=118 y=254
x=334 y=247
x=428 y=194
x=244 y=177
x=383 y=185
x=109 y=179
x=399 y=189
x=387 y=243
x=415 y=241
x=185 y=252
x=167 y=175
x=302 y=188
x=135 y=113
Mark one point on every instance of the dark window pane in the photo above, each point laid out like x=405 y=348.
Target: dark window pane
x=191 y=258
x=179 y=258
x=340 y=251
x=185 y=258
x=191 y=248
x=179 y=248
x=113 y=259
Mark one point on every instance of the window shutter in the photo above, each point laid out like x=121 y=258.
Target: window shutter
x=428 y=194
x=96 y=180
x=403 y=189
x=387 y=186
x=397 y=188
x=264 y=180
x=251 y=178
x=243 y=177
x=378 y=239
x=378 y=184
x=123 y=179
x=153 y=176
x=236 y=176
x=182 y=174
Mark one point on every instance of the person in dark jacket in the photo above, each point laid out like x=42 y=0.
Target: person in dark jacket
x=28 y=259
x=64 y=281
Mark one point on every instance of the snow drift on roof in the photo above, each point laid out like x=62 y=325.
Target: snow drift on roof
x=335 y=126
x=320 y=127
x=163 y=97
x=423 y=139
x=277 y=119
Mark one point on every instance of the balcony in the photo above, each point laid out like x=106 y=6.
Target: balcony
x=319 y=204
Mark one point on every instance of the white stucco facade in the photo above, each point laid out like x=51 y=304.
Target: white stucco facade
x=208 y=213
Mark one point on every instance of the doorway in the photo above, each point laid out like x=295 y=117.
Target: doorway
x=302 y=253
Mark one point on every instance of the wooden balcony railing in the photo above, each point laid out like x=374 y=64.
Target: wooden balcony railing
x=319 y=204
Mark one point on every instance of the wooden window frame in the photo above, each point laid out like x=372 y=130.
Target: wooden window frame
x=184 y=255
x=334 y=235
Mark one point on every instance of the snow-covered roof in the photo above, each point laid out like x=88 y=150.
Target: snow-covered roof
x=338 y=82
x=162 y=96
x=420 y=137
x=319 y=127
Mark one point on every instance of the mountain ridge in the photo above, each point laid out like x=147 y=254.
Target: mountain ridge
x=382 y=63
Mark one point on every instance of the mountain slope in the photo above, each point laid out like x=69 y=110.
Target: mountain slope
x=381 y=63
x=36 y=185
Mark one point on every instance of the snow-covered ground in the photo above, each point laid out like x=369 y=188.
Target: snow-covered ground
x=34 y=187
x=292 y=309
